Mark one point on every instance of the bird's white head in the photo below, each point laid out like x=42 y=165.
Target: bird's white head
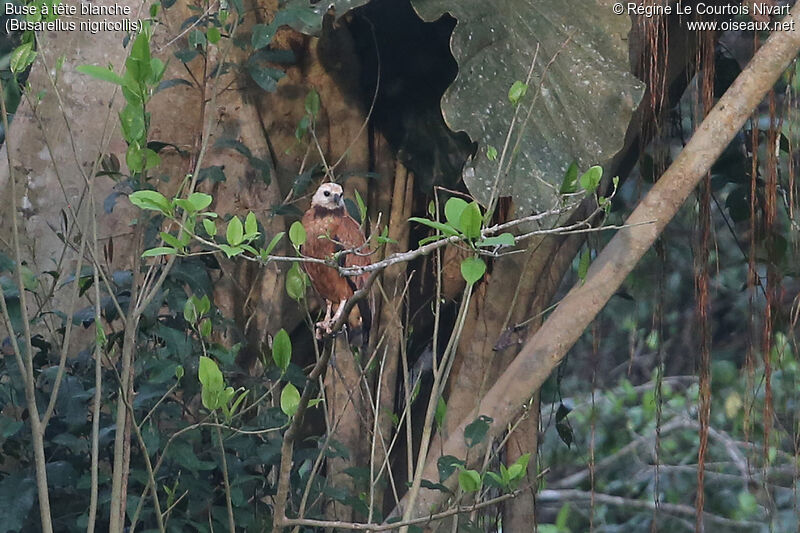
x=328 y=196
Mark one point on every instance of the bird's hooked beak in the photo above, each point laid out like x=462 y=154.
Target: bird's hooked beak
x=338 y=200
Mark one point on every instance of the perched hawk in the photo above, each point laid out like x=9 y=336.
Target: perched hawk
x=329 y=229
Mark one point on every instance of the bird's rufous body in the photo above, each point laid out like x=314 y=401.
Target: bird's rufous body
x=330 y=230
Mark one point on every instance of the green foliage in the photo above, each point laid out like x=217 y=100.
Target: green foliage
x=101 y=73
x=22 y=58
x=282 y=350
x=297 y=234
x=583 y=264
x=441 y=411
x=476 y=431
x=569 y=184
x=312 y=103
x=469 y=480
x=472 y=269
x=517 y=91
x=447 y=464
x=465 y=220
x=590 y=179
x=296 y=282
x=290 y=399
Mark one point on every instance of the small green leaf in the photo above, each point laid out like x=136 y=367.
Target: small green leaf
x=152 y=200
x=205 y=328
x=197 y=38
x=273 y=243
x=383 y=238
x=231 y=251
x=491 y=153
x=312 y=103
x=210 y=398
x=282 y=349
x=441 y=411
x=297 y=233
x=157 y=68
x=203 y=304
x=295 y=283
x=469 y=480
x=171 y=240
x=570 y=182
x=444 y=228
x=504 y=239
x=138 y=63
x=446 y=465
x=476 y=431
x=493 y=480
x=134 y=158
x=517 y=91
x=262 y=35
x=238 y=400
x=200 y=200
x=213 y=35
x=590 y=179
x=235 y=232
x=250 y=226
x=210 y=227
x=473 y=269
x=470 y=221
x=161 y=250
x=179 y=371
x=131 y=120
x=151 y=159
x=362 y=207
x=209 y=374
x=101 y=73
x=453 y=209
x=290 y=399
x=583 y=265
x=212 y=383
x=190 y=311
x=22 y=57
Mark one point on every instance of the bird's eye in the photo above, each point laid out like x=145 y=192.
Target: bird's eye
x=327 y=193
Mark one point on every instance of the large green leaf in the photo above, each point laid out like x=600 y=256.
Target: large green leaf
x=587 y=94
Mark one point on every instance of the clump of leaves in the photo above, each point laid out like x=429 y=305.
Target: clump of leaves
x=466 y=222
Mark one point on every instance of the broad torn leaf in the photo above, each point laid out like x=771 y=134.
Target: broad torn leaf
x=582 y=102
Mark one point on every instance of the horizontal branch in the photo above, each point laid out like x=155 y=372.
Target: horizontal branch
x=404 y=257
